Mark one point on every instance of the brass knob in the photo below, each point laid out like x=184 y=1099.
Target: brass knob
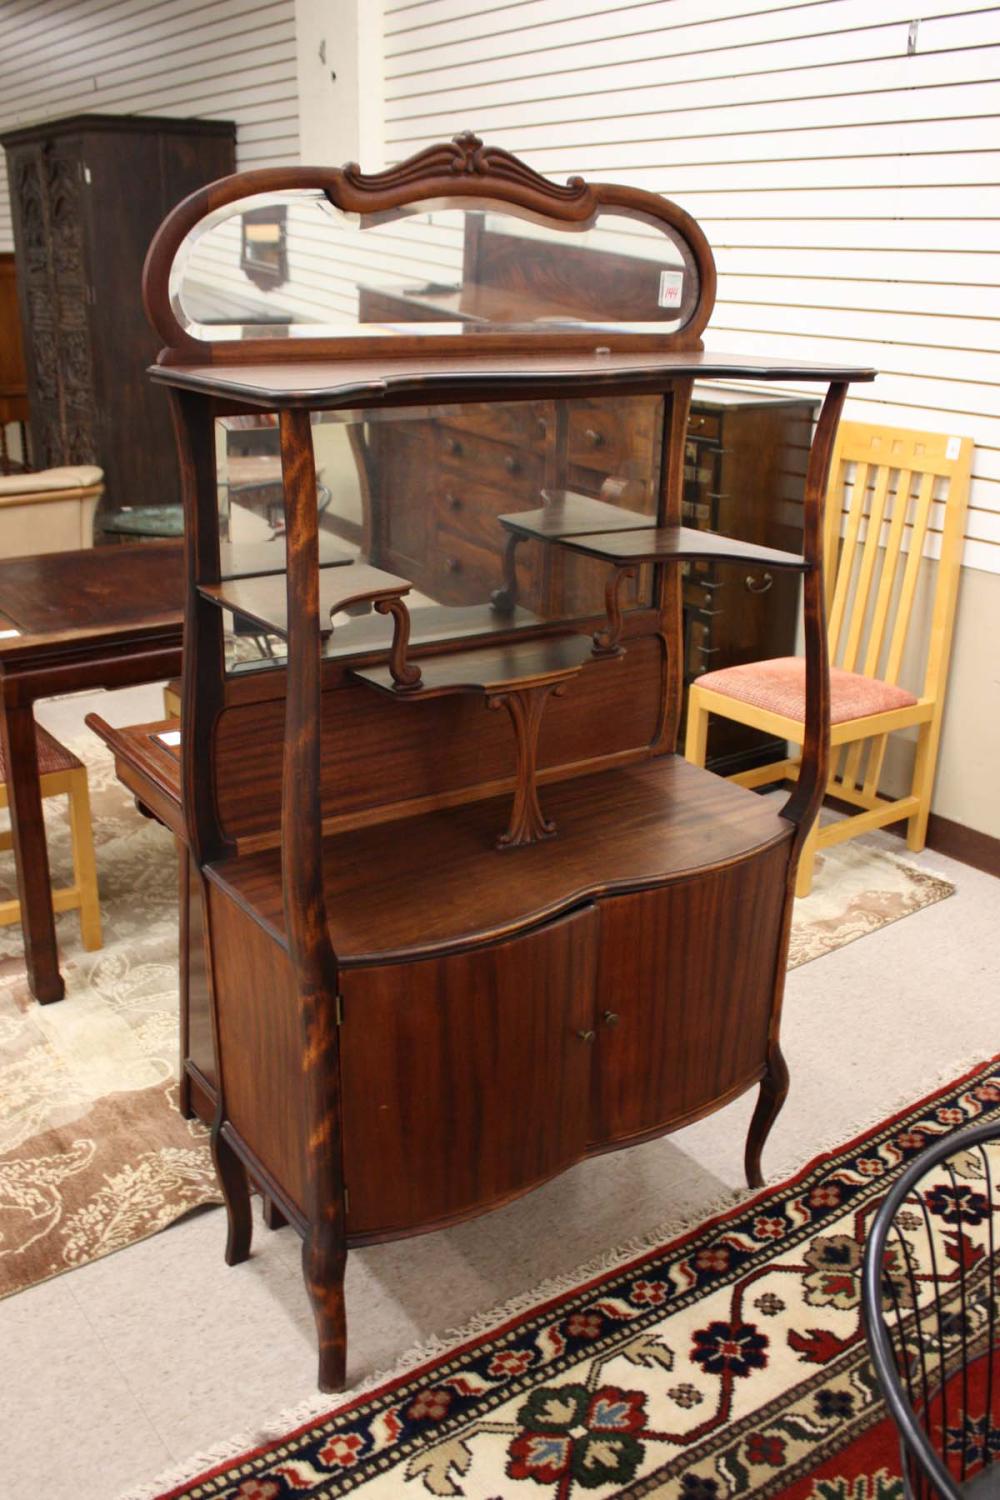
x=453 y=502
x=594 y=438
x=587 y=1036
x=610 y=1018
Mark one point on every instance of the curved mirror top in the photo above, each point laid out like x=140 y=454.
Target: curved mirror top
x=294 y=266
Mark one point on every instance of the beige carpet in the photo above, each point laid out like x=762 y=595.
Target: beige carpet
x=93 y=1152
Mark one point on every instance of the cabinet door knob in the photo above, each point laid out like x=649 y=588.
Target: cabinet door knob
x=594 y=438
x=543 y=427
x=452 y=445
x=511 y=464
x=452 y=565
x=587 y=1036
x=610 y=1018
x=754 y=587
x=453 y=502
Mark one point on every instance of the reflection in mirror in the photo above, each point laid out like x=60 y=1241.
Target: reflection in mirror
x=421 y=493
x=297 y=267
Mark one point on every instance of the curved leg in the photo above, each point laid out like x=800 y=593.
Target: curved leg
x=236 y=1196
x=773 y=1092
x=324 y=1257
x=271 y=1213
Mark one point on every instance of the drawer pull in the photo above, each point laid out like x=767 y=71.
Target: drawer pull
x=754 y=587
x=610 y=1018
x=587 y=1036
x=452 y=565
x=512 y=464
x=452 y=445
x=594 y=438
x=453 y=502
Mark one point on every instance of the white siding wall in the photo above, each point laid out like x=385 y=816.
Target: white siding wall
x=848 y=185
x=216 y=59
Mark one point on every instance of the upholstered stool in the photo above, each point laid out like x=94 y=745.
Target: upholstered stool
x=51 y=510
x=62 y=774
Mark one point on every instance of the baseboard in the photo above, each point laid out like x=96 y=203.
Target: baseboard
x=968 y=845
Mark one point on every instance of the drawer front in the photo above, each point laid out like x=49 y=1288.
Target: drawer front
x=465 y=1079
x=521 y=424
x=704 y=424
x=461 y=452
x=611 y=437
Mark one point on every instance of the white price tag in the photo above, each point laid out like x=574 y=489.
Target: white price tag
x=671 y=288
x=952 y=450
x=5 y=635
x=171 y=737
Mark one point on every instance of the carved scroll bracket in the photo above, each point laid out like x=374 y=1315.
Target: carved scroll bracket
x=405 y=674
x=528 y=824
x=606 y=641
x=504 y=599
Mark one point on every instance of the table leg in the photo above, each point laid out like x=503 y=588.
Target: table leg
x=31 y=855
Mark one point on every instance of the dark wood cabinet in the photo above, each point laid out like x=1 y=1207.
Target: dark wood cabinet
x=468 y=915
x=87 y=194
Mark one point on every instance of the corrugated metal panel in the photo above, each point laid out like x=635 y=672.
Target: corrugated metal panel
x=217 y=59
x=848 y=184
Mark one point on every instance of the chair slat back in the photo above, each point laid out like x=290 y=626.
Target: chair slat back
x=892 y=479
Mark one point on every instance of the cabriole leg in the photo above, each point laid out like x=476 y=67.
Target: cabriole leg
x=236 y=1196
x=773 y=1092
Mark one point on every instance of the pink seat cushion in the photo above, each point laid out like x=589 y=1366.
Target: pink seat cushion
x=779 y=686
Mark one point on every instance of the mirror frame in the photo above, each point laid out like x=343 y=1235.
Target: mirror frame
x=464 y=174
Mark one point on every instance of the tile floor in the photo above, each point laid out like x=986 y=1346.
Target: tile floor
x=134 y=1363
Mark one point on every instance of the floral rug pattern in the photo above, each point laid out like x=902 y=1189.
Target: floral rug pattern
x=729 y=1362
x=94 y=1154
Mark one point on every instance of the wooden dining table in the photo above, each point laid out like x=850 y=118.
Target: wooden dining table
x=110 y=617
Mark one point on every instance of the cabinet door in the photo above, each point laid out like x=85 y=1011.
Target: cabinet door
x=687 y=972
x=465 y=1079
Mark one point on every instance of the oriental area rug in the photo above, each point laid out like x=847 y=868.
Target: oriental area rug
x=730 y=1361
x=93 y=1152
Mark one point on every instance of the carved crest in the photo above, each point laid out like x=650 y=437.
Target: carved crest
x=465 y=156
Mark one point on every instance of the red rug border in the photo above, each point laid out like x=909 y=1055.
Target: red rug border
x=687 y=1234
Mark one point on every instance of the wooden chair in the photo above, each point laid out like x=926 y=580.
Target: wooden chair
x=890 y=483
x=61 y=774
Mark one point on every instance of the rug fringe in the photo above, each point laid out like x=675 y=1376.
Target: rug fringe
x=440 y=1346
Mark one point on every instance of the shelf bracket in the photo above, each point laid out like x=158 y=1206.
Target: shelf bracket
x=504 y=599
x=406 y=676
x=606 y=640
x=528 y=824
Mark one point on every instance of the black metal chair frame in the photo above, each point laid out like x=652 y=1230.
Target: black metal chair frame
x=902 y=1386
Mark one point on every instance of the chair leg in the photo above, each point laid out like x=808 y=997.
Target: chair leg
x=807 y=862
x=84 y=864
x=923 y=785
x=696 y=739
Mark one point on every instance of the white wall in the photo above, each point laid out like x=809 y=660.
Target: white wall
x=848 y=188
x=215 y=59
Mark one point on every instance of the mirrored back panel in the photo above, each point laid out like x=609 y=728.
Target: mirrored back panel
x=421 y=493
x=292 y=265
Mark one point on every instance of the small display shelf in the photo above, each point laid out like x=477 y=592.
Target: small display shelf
x=520 y=678
x=261 y=559
x=263 y=600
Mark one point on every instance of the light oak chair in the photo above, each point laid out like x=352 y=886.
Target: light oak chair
x=61 y=774
x=886 y=487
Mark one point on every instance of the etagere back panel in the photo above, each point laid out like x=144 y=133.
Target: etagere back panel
x=468 y=916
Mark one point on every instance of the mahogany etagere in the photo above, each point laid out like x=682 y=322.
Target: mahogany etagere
x=452 y=951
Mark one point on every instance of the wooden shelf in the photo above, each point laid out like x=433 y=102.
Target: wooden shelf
x=261 y=559
x=654 y=544
x=493 y=670
x=324 y=384
x=434 y=884
x=263 y=600
x=566 y=513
